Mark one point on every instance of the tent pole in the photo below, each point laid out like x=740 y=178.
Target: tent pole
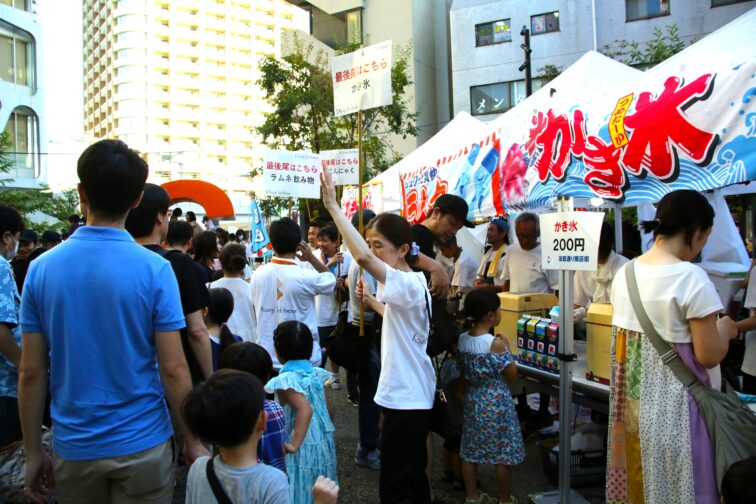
x=359 y=208
x=618 y=243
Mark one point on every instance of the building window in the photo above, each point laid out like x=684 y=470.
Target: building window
x=22 y=126
x=495 y=32
x=16 y=58
x=354 y=26
x=544 y=23
x=18 y=4
x=720 y=3
x=499 y=97
x=645 y=9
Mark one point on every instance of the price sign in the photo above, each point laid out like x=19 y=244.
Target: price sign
x=569 y=240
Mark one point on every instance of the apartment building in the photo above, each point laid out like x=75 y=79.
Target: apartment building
x=176 y=80
x=422 y=25
x=485 y=39
x=22 y=107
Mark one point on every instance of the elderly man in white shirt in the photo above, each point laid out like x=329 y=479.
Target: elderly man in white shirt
x=523 y=273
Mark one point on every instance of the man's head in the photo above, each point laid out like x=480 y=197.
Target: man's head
x=51 y=238
x=312 y=234
x=448 y=215
x=527 y=230
x=191 y=216
x=179 y=235
x=497 y=232
x=328 y=240
x=450 y=248
x=27 y=243
x=177 y=213
x=111 y=179
x=11 y=227
x=151 y=216
x=367 y=216
x=226 y=409
x=285 y=235
x=606 y=242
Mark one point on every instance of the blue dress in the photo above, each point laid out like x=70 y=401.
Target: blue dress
x=316 y=456
x=491 y=432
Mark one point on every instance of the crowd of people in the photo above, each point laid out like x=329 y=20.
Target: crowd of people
x=150 y=340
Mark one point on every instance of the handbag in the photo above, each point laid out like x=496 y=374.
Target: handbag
x=730 y=423
x=346 y=346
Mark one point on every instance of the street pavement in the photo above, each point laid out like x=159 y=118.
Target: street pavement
x=360 y=485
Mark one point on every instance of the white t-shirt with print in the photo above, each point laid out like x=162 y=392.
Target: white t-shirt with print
x=241 y=322
x=672 y=295
x=407 y=380
x=283 y=291
x=326 y=306
x=524 y=270
x=749 y=359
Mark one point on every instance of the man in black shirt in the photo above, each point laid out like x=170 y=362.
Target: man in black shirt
x=148 y=224
x=448 y=215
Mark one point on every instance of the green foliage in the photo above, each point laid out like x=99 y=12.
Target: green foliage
x=300 y=90
x=665 y=43
x=549 y=72
x=6 y=161
x=56 y=205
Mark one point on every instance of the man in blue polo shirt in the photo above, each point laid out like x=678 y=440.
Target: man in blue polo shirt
x=107 y=313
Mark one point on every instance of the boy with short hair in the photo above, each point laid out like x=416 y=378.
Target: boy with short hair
x=227 y=410
x=254 y=359
x=328 y=305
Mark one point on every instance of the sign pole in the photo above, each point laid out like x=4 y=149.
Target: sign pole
x=359 y=208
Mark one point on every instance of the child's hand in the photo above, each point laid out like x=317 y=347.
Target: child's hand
x=325 y=491
x=289 y=448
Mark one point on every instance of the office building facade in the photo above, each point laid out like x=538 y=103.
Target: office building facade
x=22 y=107
x=485 y=39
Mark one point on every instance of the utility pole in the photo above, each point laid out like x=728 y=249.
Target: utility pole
x=525 y=32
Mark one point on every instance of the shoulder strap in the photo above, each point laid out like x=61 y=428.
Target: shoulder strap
x=220 y=495
x=667 y=352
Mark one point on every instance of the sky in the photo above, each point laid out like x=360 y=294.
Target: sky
x=62 y=63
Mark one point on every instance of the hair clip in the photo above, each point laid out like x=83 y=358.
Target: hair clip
x=415 y=249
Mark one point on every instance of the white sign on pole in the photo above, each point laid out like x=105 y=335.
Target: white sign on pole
x=362 y=79
x=343 y=165
x=291 y=174
x=570 y=240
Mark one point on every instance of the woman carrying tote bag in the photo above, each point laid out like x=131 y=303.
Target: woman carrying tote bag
x=659 y=447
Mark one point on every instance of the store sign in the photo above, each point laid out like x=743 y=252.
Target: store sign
x=292 y=174
x=343 y=165
x=570 y=240
x=362 y=79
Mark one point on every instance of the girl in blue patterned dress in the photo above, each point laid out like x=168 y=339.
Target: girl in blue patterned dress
x=310 y=450
x=491 y=432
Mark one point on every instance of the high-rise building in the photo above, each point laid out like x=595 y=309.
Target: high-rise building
x=22 y=111
x=176 y=79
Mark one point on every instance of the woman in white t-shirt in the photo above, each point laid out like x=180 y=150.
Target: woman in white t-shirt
x=659 y=449
x=407 y=382
x=233 y=259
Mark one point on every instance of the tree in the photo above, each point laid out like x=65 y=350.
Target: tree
x=6 y=161
x=665 y=43
x=29 y=202
x=300 y=90
x=549 y=72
